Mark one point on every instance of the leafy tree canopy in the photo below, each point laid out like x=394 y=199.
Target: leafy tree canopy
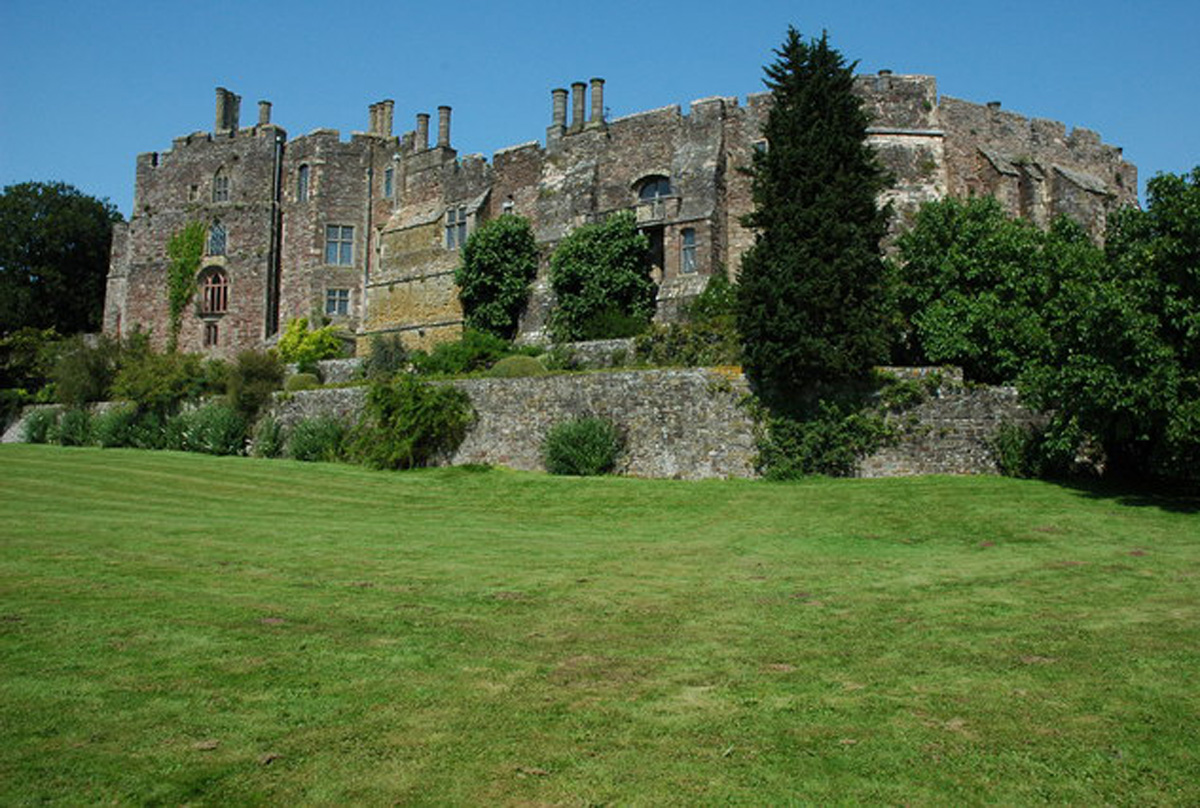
x=54 y=250
x=498 y=262
x=1124 y=369
x=812 y=303
x=601 y=276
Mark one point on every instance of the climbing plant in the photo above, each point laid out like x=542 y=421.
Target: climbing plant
x=185 y=249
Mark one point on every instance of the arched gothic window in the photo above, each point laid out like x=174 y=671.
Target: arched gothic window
x=214 y=293
x=220 y=186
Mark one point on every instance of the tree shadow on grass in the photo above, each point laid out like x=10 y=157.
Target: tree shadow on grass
x=1166 y=496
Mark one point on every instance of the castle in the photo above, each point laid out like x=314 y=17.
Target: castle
x=366 y=232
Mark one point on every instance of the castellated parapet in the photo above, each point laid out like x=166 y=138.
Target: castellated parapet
x=366 y=230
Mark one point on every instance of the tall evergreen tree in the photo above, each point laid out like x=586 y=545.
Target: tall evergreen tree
x=812 y=303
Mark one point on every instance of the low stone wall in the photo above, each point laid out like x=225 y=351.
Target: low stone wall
x=680 y=423
x=949 y=434
x=683 y=424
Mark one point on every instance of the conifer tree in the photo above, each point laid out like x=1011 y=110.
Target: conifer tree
x=812 y=302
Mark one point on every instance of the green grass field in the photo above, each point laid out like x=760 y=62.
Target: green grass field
x=190 y=629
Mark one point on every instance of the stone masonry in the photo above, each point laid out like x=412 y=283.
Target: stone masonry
x=685 y=423
x=366 y=231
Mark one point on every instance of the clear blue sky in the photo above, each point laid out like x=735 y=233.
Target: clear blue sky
x=85 y=86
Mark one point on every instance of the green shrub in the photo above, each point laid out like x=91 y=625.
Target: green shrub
x=829 y=441
x=74 y=428
x=316 y=440
x=475 y=351
x=115 y=427
x=216 y=429
x=159 y=382
x=255 y=375
x=583 y=447
x=696 y=344
x=268 y=438
x=718 y=300
x=387 y=360
x=83 y=373
x=12 y=402
x=305 y=347
x=1018 y=451
x=301 y=381
x=409 y=424
x=512 y=367
x=39 y=425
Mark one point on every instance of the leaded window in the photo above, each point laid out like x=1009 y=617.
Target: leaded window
x=220 y=186
x=216 y=239
x=337 y=302
x=339 y=245
x=456 y=227
x=687 y=252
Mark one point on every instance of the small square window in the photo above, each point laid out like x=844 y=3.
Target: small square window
x=339 y=245
x=337 y=302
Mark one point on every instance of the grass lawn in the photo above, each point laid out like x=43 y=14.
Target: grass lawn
x=190 y=629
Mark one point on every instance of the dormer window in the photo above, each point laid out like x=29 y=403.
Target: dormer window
x=654 y=187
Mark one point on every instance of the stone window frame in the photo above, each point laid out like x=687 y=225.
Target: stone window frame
x=337 y=302
x=389 y=182
x=339 y=245
x=303 y=180
x=217 y=242
x=212 y=335
x=214 y=291
x=456 y=226
x=687 y=250
x=221 y=185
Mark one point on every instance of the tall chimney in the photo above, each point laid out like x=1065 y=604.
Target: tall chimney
x=234 y=108
x=373 y=119
x=222 y=110
x=443 y=127
x=559 y=94
x=578 y=88
x=422 y=131
x=597 y=116
x=264 y=113
x=386 y=109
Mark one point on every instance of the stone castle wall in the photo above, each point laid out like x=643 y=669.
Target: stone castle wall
x=409 y=200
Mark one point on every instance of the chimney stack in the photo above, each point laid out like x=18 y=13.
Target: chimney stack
x=386 y=109
x=578 y=89
x=422 y=131
x=597 y=116
x=264 y=113
x=559 y=96
x=228 y=111
x=443 y=140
